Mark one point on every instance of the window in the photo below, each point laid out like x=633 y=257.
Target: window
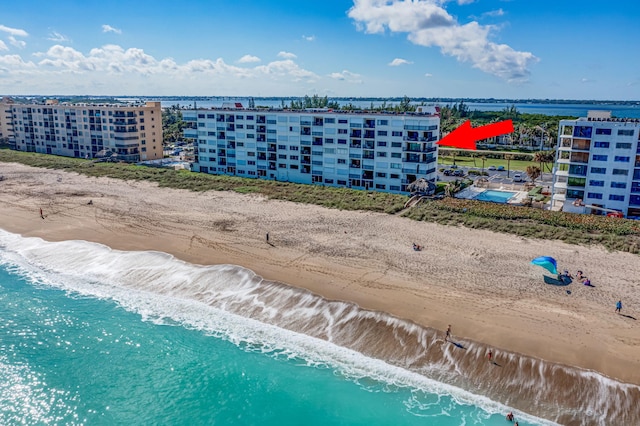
x=601 y=144
x=330 y=120
x=381 y=154
x=599 y=170
x=620 y=172
x=594 y=195
x=600 y=157
x=621 y=159
x=342 y=131
x=380 y=186
x=596 y=183
x=381 y=175
x=396 y=144
x=342 y=161
x=603 y=131
x=623 y=145
x=395 y=165
x=382 y=143
x=282 y=147
x=582 y=131
x=282 y=156
x=614 y=197
x=396 y=155
x=294 y=157
x=619 y=185
x=383 y=122
x=395 y=176
x=382 y=133
x=625 y=132
x=396 y=133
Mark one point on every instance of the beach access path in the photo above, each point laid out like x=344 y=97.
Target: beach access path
x=479 y=281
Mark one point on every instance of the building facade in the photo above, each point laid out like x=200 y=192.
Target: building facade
x=374 y=151
x=133 y=132
x=598 y=166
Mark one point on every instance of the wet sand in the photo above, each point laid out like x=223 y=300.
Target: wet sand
x=478 y=281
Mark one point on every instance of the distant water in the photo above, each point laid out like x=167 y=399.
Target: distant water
x=91 y=335
x=572 y=110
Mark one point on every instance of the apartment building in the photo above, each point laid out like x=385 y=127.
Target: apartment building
x=133 y=132
x=6 y=127
x=598 y=166
x=362 y=150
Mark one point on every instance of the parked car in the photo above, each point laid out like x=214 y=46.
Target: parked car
x=447 y=172
x=501 y=168
x=517 y=177
x=454 y=166
x=458 y=173
x=491 y=168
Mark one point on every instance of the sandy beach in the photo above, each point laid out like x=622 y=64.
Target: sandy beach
x=480 y=282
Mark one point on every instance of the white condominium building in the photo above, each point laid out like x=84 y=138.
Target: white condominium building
x=133 y=132
x=361 y=150
x=598 y=166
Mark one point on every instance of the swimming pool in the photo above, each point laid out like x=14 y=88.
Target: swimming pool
x=495 y=196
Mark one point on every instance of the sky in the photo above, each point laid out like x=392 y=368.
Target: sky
x=507 y=49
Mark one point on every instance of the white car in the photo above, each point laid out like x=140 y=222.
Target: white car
x=491 y=168
x=518 y=177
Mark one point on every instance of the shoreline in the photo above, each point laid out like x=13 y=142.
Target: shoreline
x=478 y=281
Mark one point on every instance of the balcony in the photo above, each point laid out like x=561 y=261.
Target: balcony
x=581 y=145
x=578 y=157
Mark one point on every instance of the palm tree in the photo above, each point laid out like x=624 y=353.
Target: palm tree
x=508 y=157
x=483 y=158
x=534 y=173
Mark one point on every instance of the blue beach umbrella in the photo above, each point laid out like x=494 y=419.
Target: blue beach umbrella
x=548 y=263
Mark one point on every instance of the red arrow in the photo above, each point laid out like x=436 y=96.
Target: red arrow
x=465 y=136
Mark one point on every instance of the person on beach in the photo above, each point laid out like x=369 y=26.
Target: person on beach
x=446 y=339
x=619 y=306
x=490 y=356
x=267 y=237
x=510 y=416
x=41 y=214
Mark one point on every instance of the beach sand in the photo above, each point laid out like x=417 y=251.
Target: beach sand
x=480 y=282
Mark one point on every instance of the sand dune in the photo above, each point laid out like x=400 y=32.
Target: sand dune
x=479 y=281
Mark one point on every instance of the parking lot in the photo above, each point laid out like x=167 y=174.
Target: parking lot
x=497 y=176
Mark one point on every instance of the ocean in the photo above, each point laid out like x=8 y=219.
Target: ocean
x=95 y=336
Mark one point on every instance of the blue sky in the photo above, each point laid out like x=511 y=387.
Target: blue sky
x=561 y=49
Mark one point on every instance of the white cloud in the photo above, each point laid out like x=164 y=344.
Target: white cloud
x=14 y=31
x=246 y=59
x=428 y=24
x=346 y=75
x=109 y=29
x=585 y=80
x=17 y=43
x=463 y=2
x=398 y=61
x=57 y=37
x=428 y=74
x=493 y=13
x=286 y=55
x=3 y=46
x=309 y=38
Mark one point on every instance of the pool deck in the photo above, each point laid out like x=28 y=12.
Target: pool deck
x=473 y=191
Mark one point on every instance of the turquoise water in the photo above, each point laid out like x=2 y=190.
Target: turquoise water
x=85 y=342
x=495 y=196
